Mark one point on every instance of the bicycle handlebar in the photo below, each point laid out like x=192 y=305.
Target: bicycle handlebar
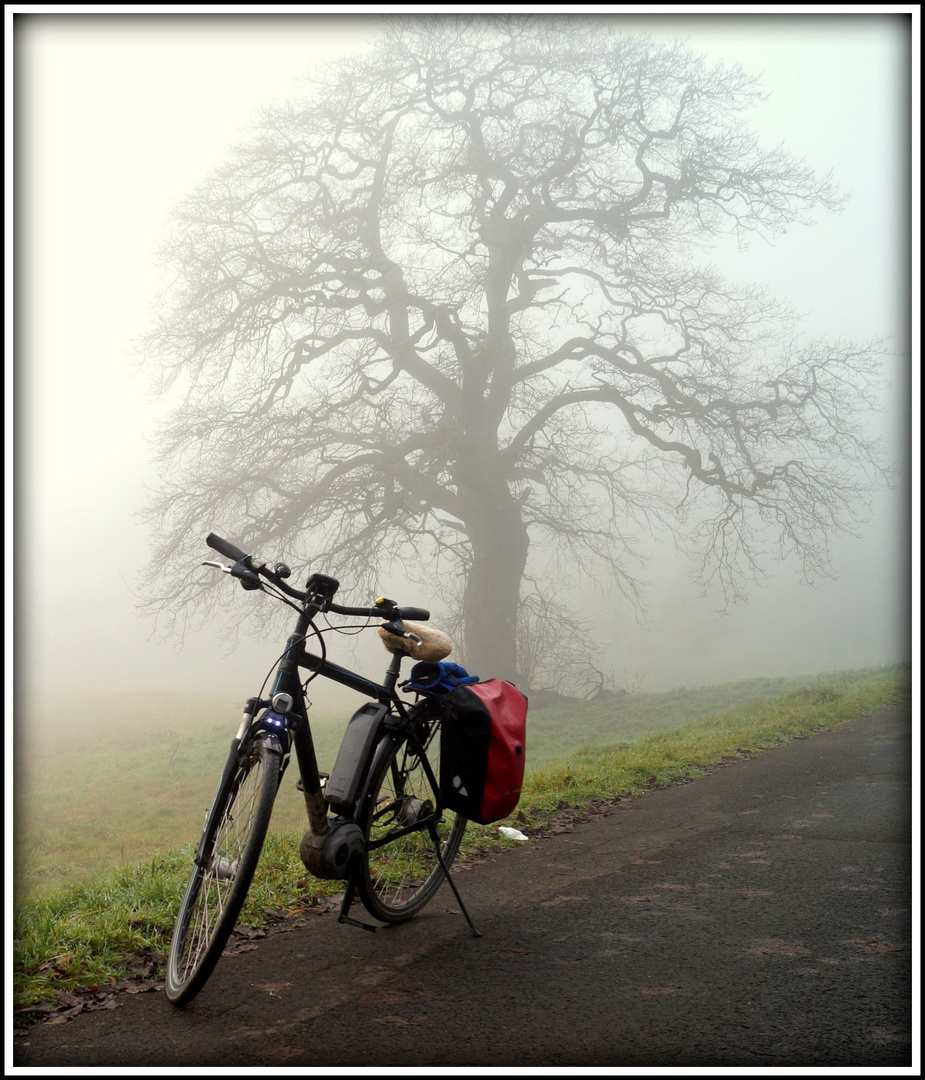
x=225 y=547
x=258 y=566
x=417 y=614
x=414 y=613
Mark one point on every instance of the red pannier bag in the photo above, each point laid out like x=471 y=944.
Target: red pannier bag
x=482 y=750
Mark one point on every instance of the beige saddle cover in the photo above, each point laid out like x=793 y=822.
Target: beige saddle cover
x=434 y=644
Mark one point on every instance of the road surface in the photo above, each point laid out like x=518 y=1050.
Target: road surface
x=758 y=917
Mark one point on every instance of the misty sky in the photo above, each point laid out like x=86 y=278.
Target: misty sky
x=118 y=117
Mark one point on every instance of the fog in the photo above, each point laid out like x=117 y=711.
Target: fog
x=118 y=117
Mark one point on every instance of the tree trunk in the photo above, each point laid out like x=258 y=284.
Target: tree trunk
x=492 y=597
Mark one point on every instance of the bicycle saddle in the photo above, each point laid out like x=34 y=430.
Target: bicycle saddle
x=433 y=646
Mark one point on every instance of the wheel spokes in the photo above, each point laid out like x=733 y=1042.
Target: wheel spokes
x=403 y=865
x=217 y=878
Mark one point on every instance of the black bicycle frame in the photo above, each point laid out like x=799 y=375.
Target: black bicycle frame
x=298 y=730
x=288 y=681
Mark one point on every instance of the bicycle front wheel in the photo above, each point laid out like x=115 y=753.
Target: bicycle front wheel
x=400 y=872
x=219 y=882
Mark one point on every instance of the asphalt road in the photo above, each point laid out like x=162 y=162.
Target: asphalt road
x=758 y=917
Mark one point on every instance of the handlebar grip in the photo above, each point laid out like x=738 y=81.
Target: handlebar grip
x=417 y=614
x=361 y=612
x=225 y=547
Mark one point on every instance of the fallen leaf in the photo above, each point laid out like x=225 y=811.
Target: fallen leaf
x=236 y=950
x=249 y=932
x=69 y=1000
x=63 y=1017
x=40 y=1007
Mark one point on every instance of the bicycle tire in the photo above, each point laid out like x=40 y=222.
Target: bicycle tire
x=216 y=890
x=399 y=877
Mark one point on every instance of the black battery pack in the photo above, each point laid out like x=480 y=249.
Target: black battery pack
x=353 y=758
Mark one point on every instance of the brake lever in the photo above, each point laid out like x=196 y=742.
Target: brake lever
x=247 y=577
x=397 y=628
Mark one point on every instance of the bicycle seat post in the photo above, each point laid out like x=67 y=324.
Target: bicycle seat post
x=391 y=676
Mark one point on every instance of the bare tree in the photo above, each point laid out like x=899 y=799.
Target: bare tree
x=448 y=311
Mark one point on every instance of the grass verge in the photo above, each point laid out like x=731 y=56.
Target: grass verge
x=93 y=935
x=81 y=812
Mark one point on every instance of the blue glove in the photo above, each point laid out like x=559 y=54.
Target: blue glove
x=439 y=678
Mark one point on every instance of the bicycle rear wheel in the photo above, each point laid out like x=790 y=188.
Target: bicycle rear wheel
x=219 y=882
x=400 y=872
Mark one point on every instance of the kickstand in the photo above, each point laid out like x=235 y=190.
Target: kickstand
x=435 y=836
x=349 y=893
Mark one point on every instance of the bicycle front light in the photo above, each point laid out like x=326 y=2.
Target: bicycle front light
x=273 y=721
x=282 y=702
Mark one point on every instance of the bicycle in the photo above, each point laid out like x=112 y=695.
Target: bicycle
x=376 y=821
